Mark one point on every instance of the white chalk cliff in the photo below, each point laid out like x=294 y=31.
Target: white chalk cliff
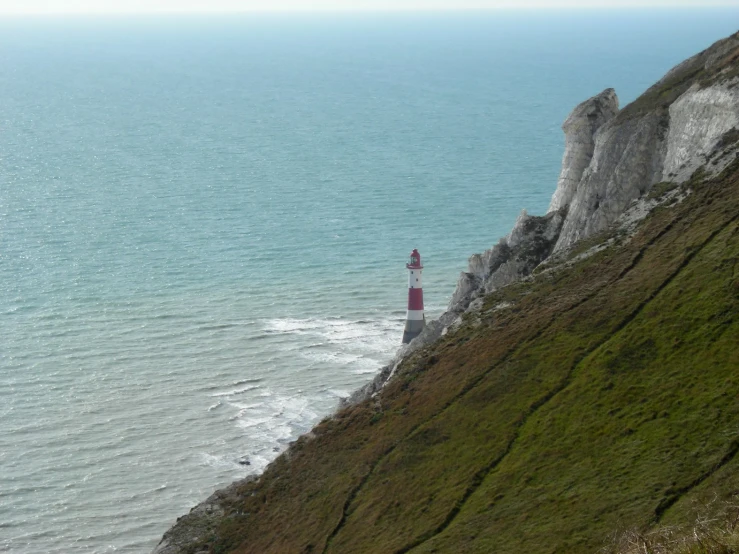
x=697 y=120
x=664 y=136
x=687 y=120
x=580 y=128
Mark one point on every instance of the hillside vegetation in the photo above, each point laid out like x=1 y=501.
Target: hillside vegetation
x=599 y=395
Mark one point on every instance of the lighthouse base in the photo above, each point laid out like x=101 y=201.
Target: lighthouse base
x=413 y=328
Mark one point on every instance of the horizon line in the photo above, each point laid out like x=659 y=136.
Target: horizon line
x=506 y=7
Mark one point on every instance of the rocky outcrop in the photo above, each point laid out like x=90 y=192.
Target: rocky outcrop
x=528 y=244
x=533 y=238
x=612 y=159
x=627 y=161
x=580 y=128
x=665 y=135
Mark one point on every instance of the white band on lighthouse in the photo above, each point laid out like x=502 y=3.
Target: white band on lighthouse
x=414 y=279
x=415 y=315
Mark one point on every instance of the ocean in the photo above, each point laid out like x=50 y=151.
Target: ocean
x=204 y=225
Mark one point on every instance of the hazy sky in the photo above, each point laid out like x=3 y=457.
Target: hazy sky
x=147 y=6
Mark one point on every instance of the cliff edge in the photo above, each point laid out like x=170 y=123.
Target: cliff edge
x=612 y=160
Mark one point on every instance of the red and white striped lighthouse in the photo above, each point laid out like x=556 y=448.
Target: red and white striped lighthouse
x=415 y=320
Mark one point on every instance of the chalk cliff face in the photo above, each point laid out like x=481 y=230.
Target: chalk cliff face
x=664 y=136
x=697 y=120
x=626 y=162
x=613 y=158
x=580 y=128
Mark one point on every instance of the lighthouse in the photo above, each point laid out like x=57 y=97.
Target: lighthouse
x=415 y=320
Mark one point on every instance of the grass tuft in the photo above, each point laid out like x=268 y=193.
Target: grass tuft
x=715 y=530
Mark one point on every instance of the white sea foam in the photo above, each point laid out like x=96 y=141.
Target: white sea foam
x=218 y=461
x=343 y=341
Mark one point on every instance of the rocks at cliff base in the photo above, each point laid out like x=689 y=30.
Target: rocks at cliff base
x=200 y=522
x=371 y=388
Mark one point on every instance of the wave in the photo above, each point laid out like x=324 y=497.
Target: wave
x=236 y=383
x=376 y=335
x=234 y=392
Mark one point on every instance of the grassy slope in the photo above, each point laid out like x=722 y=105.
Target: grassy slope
x=592 y=424
x=644 y=416
x=603 y=396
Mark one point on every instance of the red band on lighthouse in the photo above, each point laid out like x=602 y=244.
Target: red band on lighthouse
x=415 y=299
x=415 y=319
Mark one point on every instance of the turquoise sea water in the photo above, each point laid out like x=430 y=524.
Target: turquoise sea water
x=204 y=224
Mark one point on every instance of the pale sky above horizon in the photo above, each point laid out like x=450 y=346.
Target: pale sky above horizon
x=230 y=6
